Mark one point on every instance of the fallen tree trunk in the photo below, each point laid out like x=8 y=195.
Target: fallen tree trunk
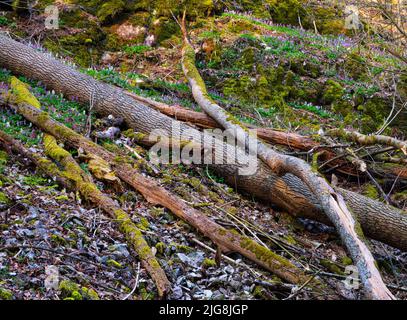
x=332 y=203
x=72 y=178
x=204 y=121
x=273 y=136
x=155 y=194
x=286 y=192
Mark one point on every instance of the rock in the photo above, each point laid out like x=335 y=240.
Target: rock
x=32 y=214
x=25 y=233
x=110 y=133
x=176 y=293
x=193 y=259
x=235 y=284
x=206 y=294
x=229 y=269
x=127 y=31
x=119 y=249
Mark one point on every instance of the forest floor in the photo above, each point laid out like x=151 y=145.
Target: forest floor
x=42 y=225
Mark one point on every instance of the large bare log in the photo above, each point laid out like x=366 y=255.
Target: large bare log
x=286 y=192
x=203 y=120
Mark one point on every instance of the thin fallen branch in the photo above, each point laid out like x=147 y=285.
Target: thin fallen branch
x=331 y=202
x=368 y=140
x=135 y=285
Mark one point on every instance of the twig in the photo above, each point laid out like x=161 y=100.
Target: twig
x=240 y=264
x=302 y=287
x=135 y=285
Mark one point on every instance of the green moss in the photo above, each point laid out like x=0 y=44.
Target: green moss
x=259 y=292
x=143 y=224
x=22 y=94
x=356 y=66
x=4 y=21
x=90 y=294
x=271 y=259
x=58 y=240
x=35 y=180
x=135 y=237
x=333 y=92
x=265 y=88
x=110 y=9
x=86 y=44
x=5 y=294
x=369 y=190
x=4 y=199
x=183 y=248
x=72 y=291
x=160 y=246
x=374 y=111
x=290 y=239
x=346 y=261
x=76 y=295
x=215 y=197
x=331 y=266
x=146 y=295
x=209 y=263
x=285 y=12
x=328 y=19
x=138 y=136
x=67 y=287
x=113 y=263
x=164 y=28
x=62 y=198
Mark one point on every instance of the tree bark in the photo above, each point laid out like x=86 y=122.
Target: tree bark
x=286 y=192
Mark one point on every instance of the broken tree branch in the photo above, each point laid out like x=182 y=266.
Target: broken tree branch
x=367 y=140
